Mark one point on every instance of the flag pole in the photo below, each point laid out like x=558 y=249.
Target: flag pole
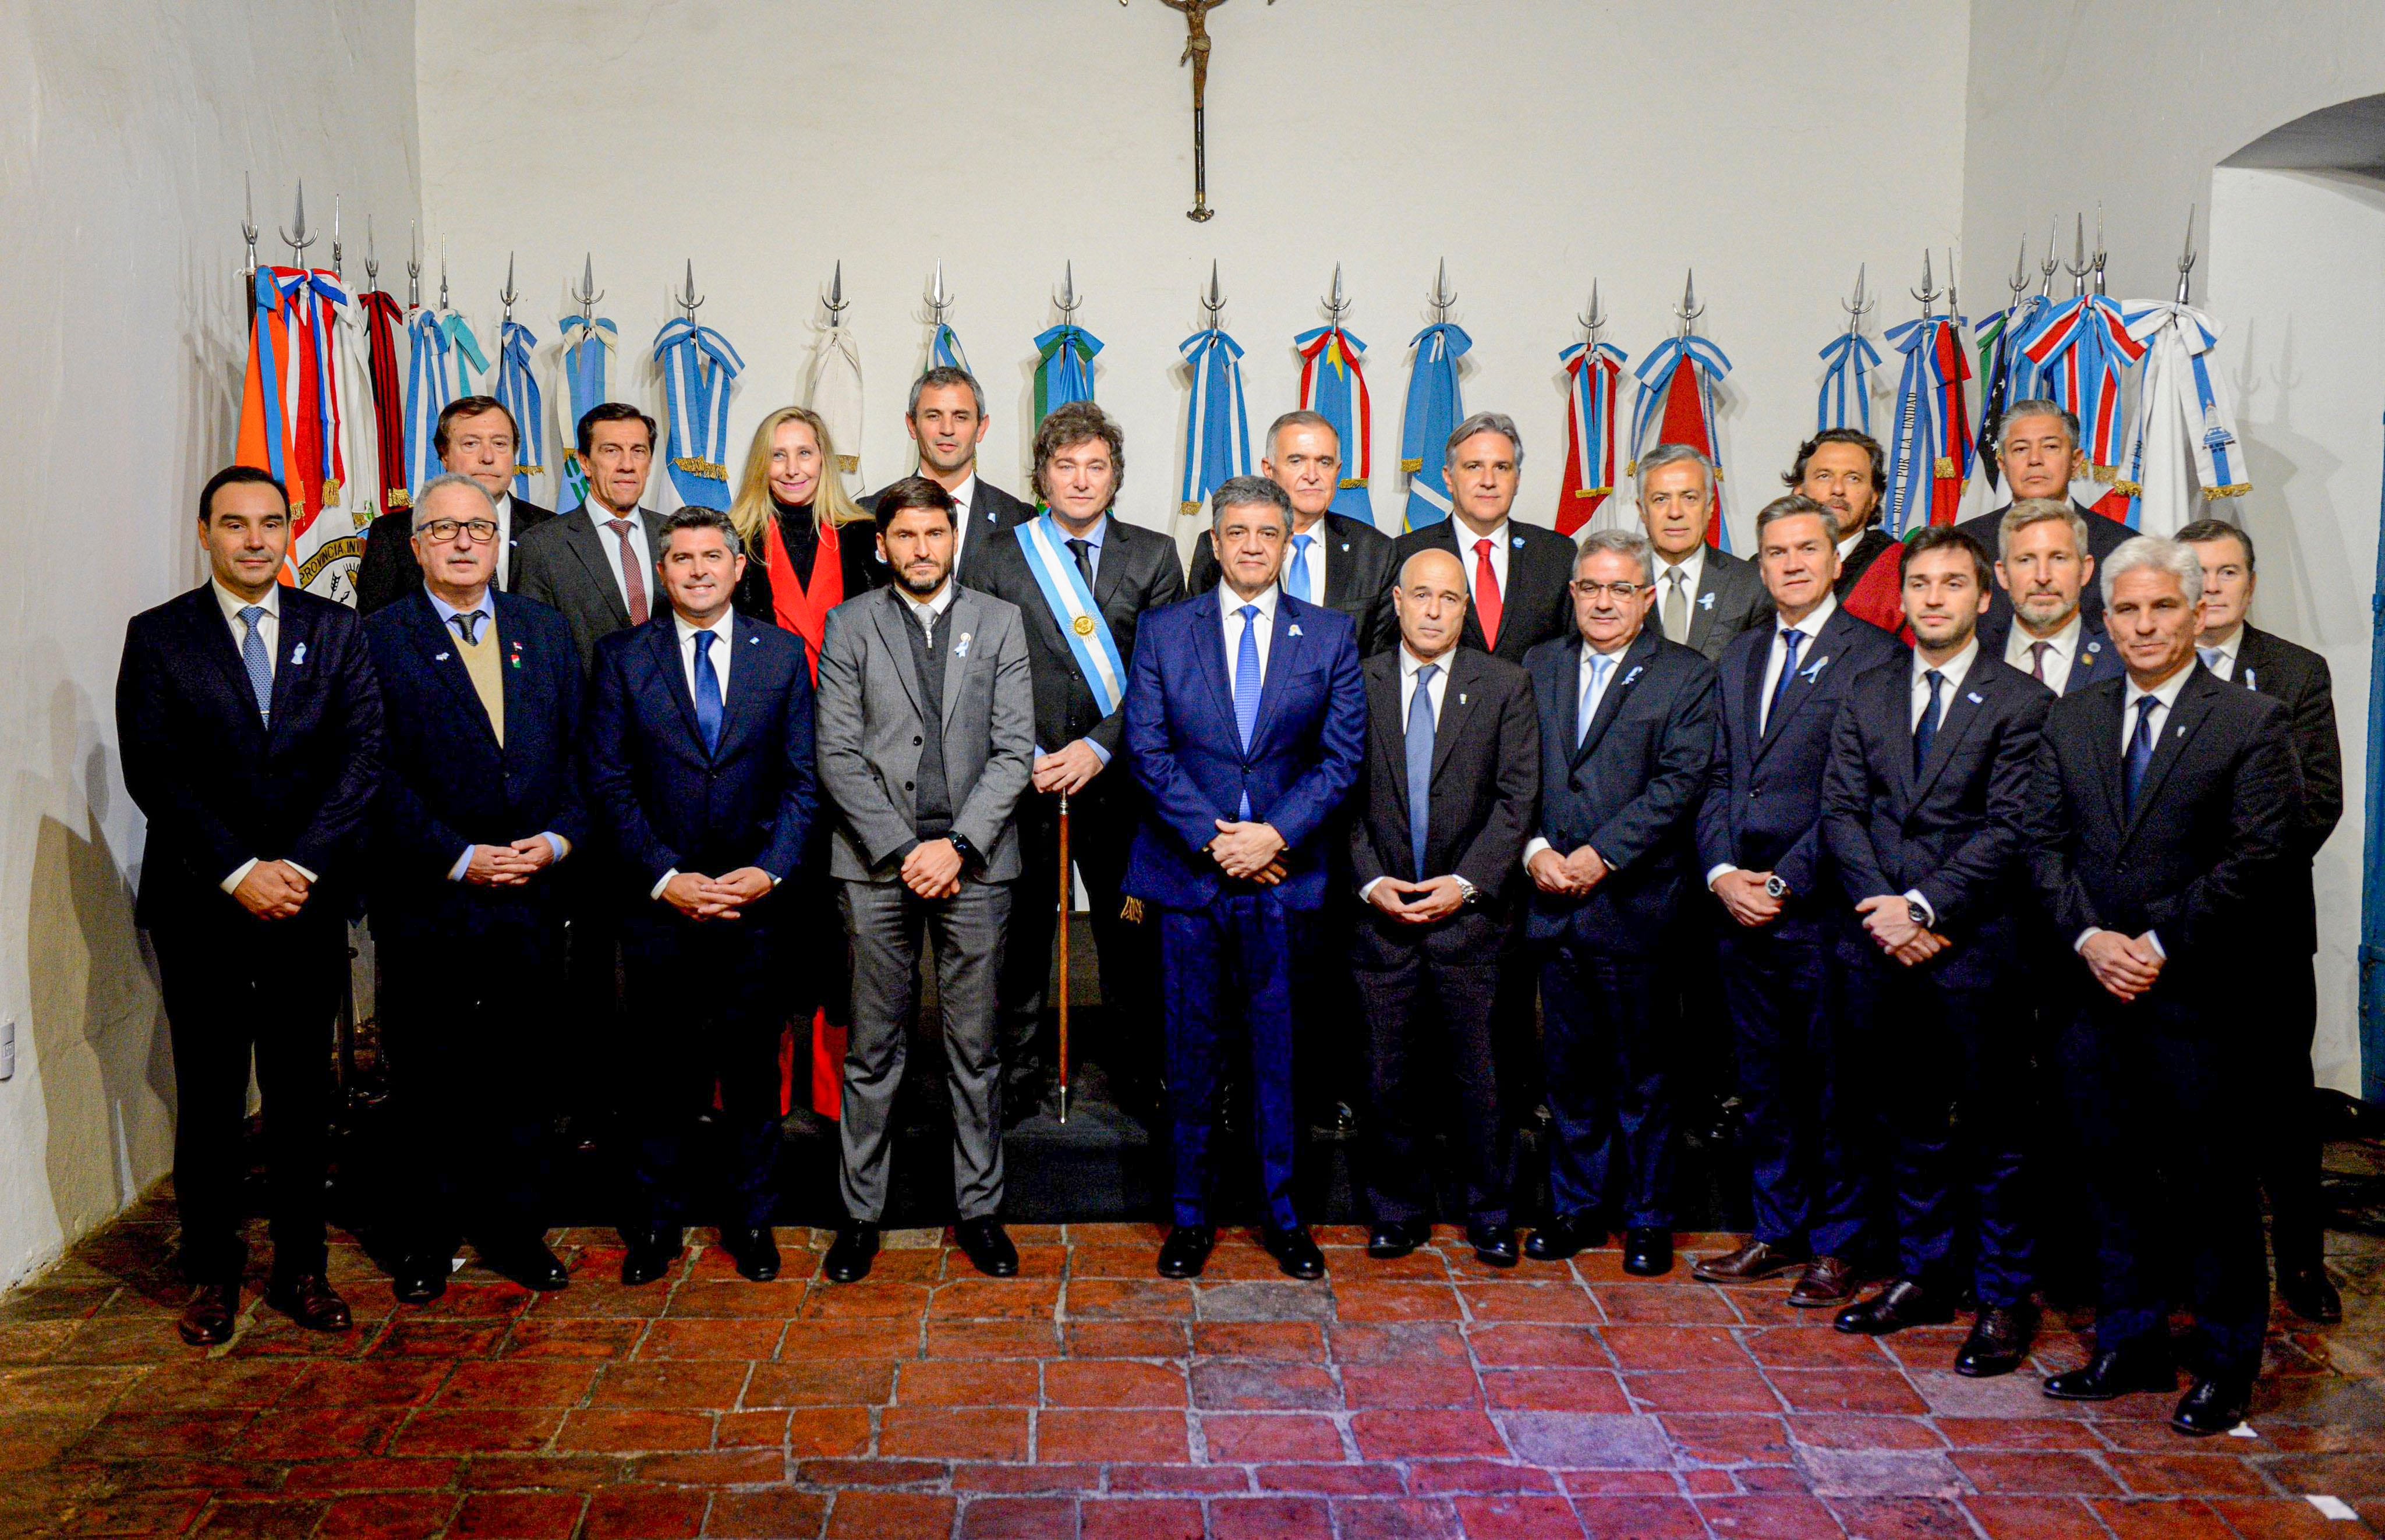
x=1065 y=881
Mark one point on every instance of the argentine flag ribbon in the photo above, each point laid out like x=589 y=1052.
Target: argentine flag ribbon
x=1435 y=404
x=429 y=388
x=1592 y=376
x=1333 y=385
x=1845 y=401
x=464 y=350
x=1217 y=428
x=2182 y=407
x=698 y=368
x=517 y=392
x=1707 y=364
x=586 y=343
x=2079 y=349
x=944 y=350
x=2000 y=378
x=1065 y=370
x=1072 y=604
x=1929 y=445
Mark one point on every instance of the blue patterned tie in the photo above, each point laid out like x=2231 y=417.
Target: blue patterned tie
x=1420 y=761
x=2141 y=754
x=1789 y=640
x=1925 y=732
x=1297 y=580
x=707 y=693
x=1599 y=665
x=1246 y=687
x=252 y=656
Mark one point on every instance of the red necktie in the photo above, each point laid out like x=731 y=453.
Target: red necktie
x=1486 y=596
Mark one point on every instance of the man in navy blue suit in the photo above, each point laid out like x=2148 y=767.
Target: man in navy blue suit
x=1246 y=723
x=1760 y=842
x=1627 y=742
x=479 y=802
x=251 y=728
x=1924 y=810
x=700 y=772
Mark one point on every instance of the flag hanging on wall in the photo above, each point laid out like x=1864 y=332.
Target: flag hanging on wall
x=1675 y=404
x=2183 y=408
x=517 y=392
x=698 y=368
x=1435 y=405
x=2005 y=372
x=586 y=344
x=1333 y=385
x=1217 y=430
x=2079 y=349
x=1592 y=376
x=833 y=389
x=1064 y=368
x=1929 y=445
x=384 y=321
x=292 y=425
x=1845 y=401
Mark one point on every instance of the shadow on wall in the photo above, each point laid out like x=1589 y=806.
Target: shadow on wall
x=95 y=1020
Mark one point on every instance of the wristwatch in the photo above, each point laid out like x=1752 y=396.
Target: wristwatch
x=1775 y=887
x=1919 y=915
x=966 y=851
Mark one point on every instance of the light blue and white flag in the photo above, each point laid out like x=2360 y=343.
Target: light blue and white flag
x=429 y=386
x=1217 y=430
x=1435 y=404
x=2182 y=409
x=944 y=350
x=1064 y=369
x=517 y=392
x=1845 y=401
x=585 y=345
x=698 y=368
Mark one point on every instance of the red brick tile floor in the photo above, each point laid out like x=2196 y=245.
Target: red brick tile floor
x=1088 y=1397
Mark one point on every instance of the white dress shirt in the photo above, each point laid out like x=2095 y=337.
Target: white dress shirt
x=1230 y=604
x=1951 y=675
x=2166 y=695
x=1316 y=536
x=269 y=625
x=1847 y=546
x=504 y=506
x=1435 y=693
x=1596 y=683
x=600 y=515
x=1470 y=556
x=1811 y=628
x=1693 y=571
x=964 y=499
x=2061 y=653
x=926 y=614
x=2220 y=656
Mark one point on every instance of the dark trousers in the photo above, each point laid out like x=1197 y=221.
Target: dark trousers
x=588 y=1079
x=2159 y=1098
x=1689 y=1008
x=1230 y=962
x=1101 y=831
x=1953 y=1099
x=706 y=1009
x=1329 y=1062
x=1609 y=1053
x=2287 y=1150
x=1427 y=1008
x=233 y=987
x=472 y=1058
x=1810 y=1184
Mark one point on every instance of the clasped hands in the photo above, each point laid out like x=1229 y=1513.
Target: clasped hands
x=701 y=897
x=509 y=866
x=1888 y=917
x=1249 y=852
x=1069 y=772
x=2125 y=966
x=1566 y=876
x=273 y=890
x=1443 y=898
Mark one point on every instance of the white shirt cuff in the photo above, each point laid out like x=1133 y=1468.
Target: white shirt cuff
x=1534 y=847
x=557 y=843
x=1716 y=873
x=661 y=882
x=1913 y=895
x=2079 y=946
x=463 y=864
x=239 y=875
x=2159 y=950
x=300 y=869
x=1365 y=894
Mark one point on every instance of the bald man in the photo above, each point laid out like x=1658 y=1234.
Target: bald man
x=1453 y=772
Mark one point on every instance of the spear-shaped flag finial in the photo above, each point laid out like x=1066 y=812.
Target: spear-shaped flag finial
x=1859 y=307
x=1066 y=298
x=338 y=270
x=835 y=301
x=687 y=299
x=1216 y=300
x=1444 y=296
x=299 y=242
x=588 y=293
x=507 y=295
x=372 y=258
x=2079 y=266
x=938 y=300
x=1690 y=309
x=413 y=265
x=1928 y=293
x=2052 y=259
x=1594 y=320
x=443 y=272
x=2019 y=281
x=2100 y=253
x=1337 y=307
x=2186 y=258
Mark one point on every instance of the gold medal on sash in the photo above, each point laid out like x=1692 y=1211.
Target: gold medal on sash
x=1083 y=625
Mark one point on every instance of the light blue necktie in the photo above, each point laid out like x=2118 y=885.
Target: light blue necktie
x=1599 y=665
x=1789 y=640
x=707 y=693
x=2211 y=658
x=1420 y=761
x=1246 y=687
x=1299 y=583
x=252 y=656
x=2141 y=754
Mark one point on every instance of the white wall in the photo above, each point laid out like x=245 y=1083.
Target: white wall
x=1535 y=145
x=126 y=128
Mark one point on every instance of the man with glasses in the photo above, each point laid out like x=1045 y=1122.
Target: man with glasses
x=475 y=437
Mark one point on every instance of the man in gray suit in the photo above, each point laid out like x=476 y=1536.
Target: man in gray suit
x=925 y=839
x=1704 y=596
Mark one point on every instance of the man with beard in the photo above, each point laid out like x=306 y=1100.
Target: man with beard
x=2045 y=570
x=1843 y=469
x=2037 y=448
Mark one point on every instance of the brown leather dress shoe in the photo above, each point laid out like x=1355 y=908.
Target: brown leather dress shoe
x=1828 y=1281
x=1749 y=1264
x=207 y=1320
x=308 y=1300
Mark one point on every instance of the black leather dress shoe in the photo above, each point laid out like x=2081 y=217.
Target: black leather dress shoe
x=1998 y=1343
x=1392 y=1239
x=1903 y=1303
x=1563 y=1236
x=308 y=1299
x=207 y=1320
x=1293 y=1252
x=1494 y=1245
x=2109 y=1376
x=2216 y=1404
x=850 y=1253
x=418 y=1278
x=1186 y=1250
x=754 y=1249
x=2310 y=1295
x=1647 y=1251
x=988 y=1247
x=650 y=1254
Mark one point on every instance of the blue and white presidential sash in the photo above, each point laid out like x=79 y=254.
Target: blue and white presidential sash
x=1072 y=604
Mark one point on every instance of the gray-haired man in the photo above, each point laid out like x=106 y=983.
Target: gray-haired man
x=1515 y=574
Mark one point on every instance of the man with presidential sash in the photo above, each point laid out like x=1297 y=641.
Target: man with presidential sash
x=1081 y=579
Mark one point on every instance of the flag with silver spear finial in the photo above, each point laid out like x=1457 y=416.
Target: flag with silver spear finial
x=1333 y=385
x=1847 y=363
x=1676 y=404
x=587 y=339
x=518 y=388
x=2005 y=374
x=2081 y=348
x=1217 y=428
x=1593 y=369
x=699 y=369
x=2182 y=411
x=832 y=384
x=1929 y=444
x=944 y=342
x=1064 y=367
x=1435 y=404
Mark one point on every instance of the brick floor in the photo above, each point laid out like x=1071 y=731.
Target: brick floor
x=1091 y=1398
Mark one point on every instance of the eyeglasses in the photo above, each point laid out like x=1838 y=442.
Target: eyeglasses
x=1624 y=592
x=440 y=531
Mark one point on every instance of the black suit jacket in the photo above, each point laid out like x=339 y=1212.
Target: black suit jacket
x=1137 y=571
x=2103 y=536
x=2272 y=666
x=2097 y=660
x=388 y=572
x=449 y=784
x=991 y=512
x=1763 y=805
x=1486 y=776
x=1629 y=788
x=1729 y=598
x=1868 y=549
x=2212 y=830
x=219 y=786
x=1537 y=605
x=1952 y=831
x=562 y=564
x=1357 y=574
x=857 y=554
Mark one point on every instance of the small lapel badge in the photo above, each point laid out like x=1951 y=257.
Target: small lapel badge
x=1461 y=697
x=1295 y=629
x=298 y=655
x=436 y=658
x=2249 y=682
x=1707 y=599
x=1519 y=542
x=960 y=648
x=1345 y=544
x=1973 y=696
x=753 y=641
x=1632 y=675
x=1814 y=673
x=2095 y=646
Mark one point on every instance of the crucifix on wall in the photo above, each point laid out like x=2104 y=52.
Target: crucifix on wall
x=1197 y=52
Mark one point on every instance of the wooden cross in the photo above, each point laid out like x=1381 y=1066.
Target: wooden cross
x=1197 y=52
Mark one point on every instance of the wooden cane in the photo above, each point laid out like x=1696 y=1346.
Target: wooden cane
x=1067 y=882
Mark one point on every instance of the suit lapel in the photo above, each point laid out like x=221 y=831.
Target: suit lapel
x=1627 y=672
x=1956 y=713
x=292 y=634
x=737 y=708
x=1285 y=638
x=962 y=617
x=1458 y=705
x=1701 y=601
x=1337 y=562
x=1109 y=573
x=2251 y=658
x=662 y=642
x=441 y=654
x=2185 y=715
x=892 y=614
x=1214 y=664
x=589 y=545
x=2108 y=755
x=213 y=639
x=1390 y=728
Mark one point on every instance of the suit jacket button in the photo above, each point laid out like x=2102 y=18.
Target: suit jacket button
x=906 y=786
x=916 y=742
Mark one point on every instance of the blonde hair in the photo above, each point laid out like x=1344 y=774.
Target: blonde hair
x=754 y=506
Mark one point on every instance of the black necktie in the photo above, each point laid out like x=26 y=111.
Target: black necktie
x=1925 y=732
x=467 y=625
x=1083 y=551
